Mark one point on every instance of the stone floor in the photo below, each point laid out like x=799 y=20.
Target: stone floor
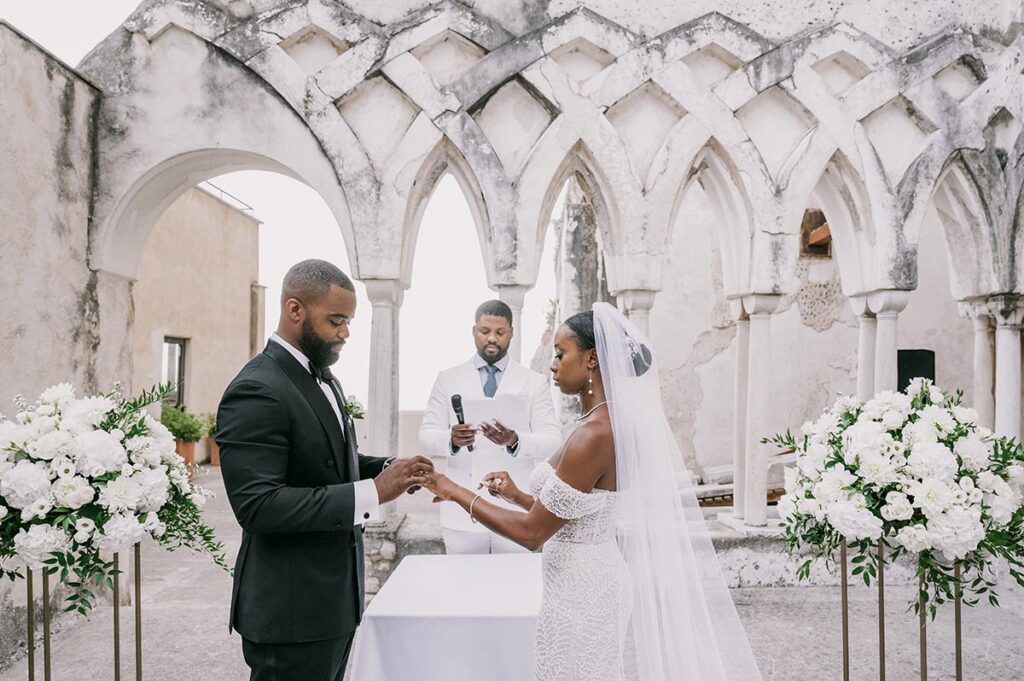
x=794 y=630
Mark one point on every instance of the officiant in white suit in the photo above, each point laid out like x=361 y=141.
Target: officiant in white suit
x=476 y=449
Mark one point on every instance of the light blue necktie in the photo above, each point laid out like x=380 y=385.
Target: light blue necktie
x=491 y=386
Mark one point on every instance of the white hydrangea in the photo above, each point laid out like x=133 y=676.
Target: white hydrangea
x=83 y=415
x=885 y=402
x=123 y=493
x=154 y=526
x=9 y=431
x=24 y=483
x=812 y=462
x=956 y=532
x=52 y=444
x=897 y=507
x=155 y=488
x=914 y=538
x=787 y=505
x=811 y=507
x=1015 y=476
x=73 y=493
x=37 y=543
x=143 y=450
x=853 y=521
x=975 y=453
x=932 y=496
x=98 y=452
x=920 y=432
x=119 y=533
x=932 y=460
x=845 y=404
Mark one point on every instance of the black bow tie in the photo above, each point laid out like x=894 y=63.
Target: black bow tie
x=323 y=375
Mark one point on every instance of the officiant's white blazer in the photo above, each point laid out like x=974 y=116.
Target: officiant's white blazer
x=537 y=442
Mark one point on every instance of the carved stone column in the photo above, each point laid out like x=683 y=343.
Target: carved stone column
x=1008 y=311
x=739 y=422
x=761 y=402
x=984 y=399
x=386 y=298
x=513 y=296
x=636 y=304
x=886 y=306
x=866 y=340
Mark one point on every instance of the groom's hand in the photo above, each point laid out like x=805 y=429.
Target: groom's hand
x=401 y=475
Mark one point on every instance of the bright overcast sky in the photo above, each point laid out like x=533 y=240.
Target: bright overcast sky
x=438 y=310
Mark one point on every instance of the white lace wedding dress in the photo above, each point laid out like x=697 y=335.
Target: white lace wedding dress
x=587 y=599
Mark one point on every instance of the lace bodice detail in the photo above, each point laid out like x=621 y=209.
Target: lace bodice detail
x=590 y=515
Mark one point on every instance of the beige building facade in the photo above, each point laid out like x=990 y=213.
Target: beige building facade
x=199 y=312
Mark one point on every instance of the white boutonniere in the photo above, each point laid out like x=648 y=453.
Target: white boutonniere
x=354 y=408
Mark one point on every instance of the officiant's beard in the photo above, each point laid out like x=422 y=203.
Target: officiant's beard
x=321 y=353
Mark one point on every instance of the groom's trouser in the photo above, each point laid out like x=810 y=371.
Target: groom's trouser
x=314 y=661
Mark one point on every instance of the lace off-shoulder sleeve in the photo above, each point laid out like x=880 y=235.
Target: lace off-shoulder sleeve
x=567 y=502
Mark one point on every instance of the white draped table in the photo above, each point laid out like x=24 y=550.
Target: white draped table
x=452 y=618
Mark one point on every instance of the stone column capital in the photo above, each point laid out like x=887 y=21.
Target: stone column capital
x=633 y=300
x=761 y=304
x=385 y=292
x=1007 y=310
x=977 y=310
x=859 y=305
x=887 y=302
x=736 y=309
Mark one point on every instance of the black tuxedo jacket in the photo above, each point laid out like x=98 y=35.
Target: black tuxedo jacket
x=289 y=473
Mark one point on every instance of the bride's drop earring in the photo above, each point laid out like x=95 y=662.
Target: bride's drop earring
x=590 y=381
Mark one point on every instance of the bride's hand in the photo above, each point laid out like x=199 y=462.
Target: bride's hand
x=500 y=485
x=442 y=487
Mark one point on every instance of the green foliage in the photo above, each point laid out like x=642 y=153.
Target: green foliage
x=182 y=424
x=210 y=425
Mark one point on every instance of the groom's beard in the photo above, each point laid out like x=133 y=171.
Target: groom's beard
x=321 y=353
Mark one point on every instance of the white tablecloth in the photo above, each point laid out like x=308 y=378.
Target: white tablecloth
x=452 y=618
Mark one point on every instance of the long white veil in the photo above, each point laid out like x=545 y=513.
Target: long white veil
x=684 y=625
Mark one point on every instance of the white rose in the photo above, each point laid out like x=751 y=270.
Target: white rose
x=932 y=460
x=120 y=533
x=932 y=496
x=154 y=526
x=144 y=450
x=123 y=493
x=845 y=404
x=24 y=483
x=73 y=493
x=1001 y=507
x=894 y=419
x=8 y=431
x=897 y=507
x=97 y=452
x=914 y=538
x=3 y=512
x=920 y=432
x=36 y=544
x=811 y=462
x=85 y=525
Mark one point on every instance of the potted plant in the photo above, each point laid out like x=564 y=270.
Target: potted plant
x=210 y=423
x=186 y=429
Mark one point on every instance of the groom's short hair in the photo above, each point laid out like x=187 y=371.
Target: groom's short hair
x=493 y=308
x=310 y=280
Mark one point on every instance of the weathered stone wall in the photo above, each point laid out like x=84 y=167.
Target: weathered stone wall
x=48 y=319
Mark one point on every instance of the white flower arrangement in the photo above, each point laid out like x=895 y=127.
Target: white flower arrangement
x=914 y=473
x=84 y=475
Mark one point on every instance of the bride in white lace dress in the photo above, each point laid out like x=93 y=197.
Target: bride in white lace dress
x=632 y=589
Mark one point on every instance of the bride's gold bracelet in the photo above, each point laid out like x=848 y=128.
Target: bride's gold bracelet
x=475 y=497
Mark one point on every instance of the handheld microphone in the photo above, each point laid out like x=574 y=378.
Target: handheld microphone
x=457 y=407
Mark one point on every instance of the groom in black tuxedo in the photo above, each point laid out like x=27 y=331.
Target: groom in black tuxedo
x=300 y=489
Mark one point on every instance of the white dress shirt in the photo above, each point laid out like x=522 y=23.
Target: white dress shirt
x=367 y=503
